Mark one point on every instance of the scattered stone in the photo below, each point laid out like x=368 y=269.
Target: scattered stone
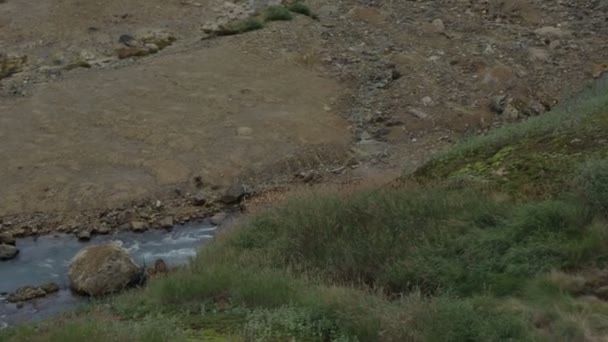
x=160 y=38
x=84 y=235
x=393 y=122
x=244 y=131
x=555 y=44
x=538 y=54
x=438 y=26
x=26 y=293
x=427 y=101
x=103 y=269
x=7 y=239
x=199 y=199
x=218 y=218
x=233 y=194
x=139 y=226
x=167 y=222
x=499 y=103
x=103 y=230
x=11 y=64
x=550 y=33
x=129 y=40
x=308 y=176
x=417 y=113
x=8 y=252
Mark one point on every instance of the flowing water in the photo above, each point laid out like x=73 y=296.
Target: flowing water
x=46 y=259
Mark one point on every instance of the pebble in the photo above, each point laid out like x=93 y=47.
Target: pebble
x=199 y=199
x=7 y=238
x=167 y=222
x=138 y=226
x=427 y=101
x=244 y=131
x=84 y=235
x=438 y=25
x=551 y=32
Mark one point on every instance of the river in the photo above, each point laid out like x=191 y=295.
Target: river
x=46 y=259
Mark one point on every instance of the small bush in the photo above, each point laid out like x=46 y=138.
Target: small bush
x=300 y=8
x=592 y=183
x=276 y=13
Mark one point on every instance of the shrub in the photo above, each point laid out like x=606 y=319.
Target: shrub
x=275 y=13
x=300 y=8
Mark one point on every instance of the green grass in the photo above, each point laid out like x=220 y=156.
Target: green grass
x=466 y=254
x=532 y=159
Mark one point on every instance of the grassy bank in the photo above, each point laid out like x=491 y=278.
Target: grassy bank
x=500 y=238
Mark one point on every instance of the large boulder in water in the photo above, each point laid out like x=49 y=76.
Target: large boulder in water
x=103 y=269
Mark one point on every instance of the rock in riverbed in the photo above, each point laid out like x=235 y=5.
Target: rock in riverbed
x=8 y=252
x=84 y=235
x=7 y=239
x=104 y=269
x=26 y=293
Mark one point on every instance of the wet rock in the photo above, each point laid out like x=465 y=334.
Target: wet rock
x=139 y=226
x=26 y=293
x=7 y=239
x=8 y=252
x=84 y=235
x=11 y=64
x=199 y=199
x=233 y=194
x=102 y=270
x=167 y=222
x=217 y=219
